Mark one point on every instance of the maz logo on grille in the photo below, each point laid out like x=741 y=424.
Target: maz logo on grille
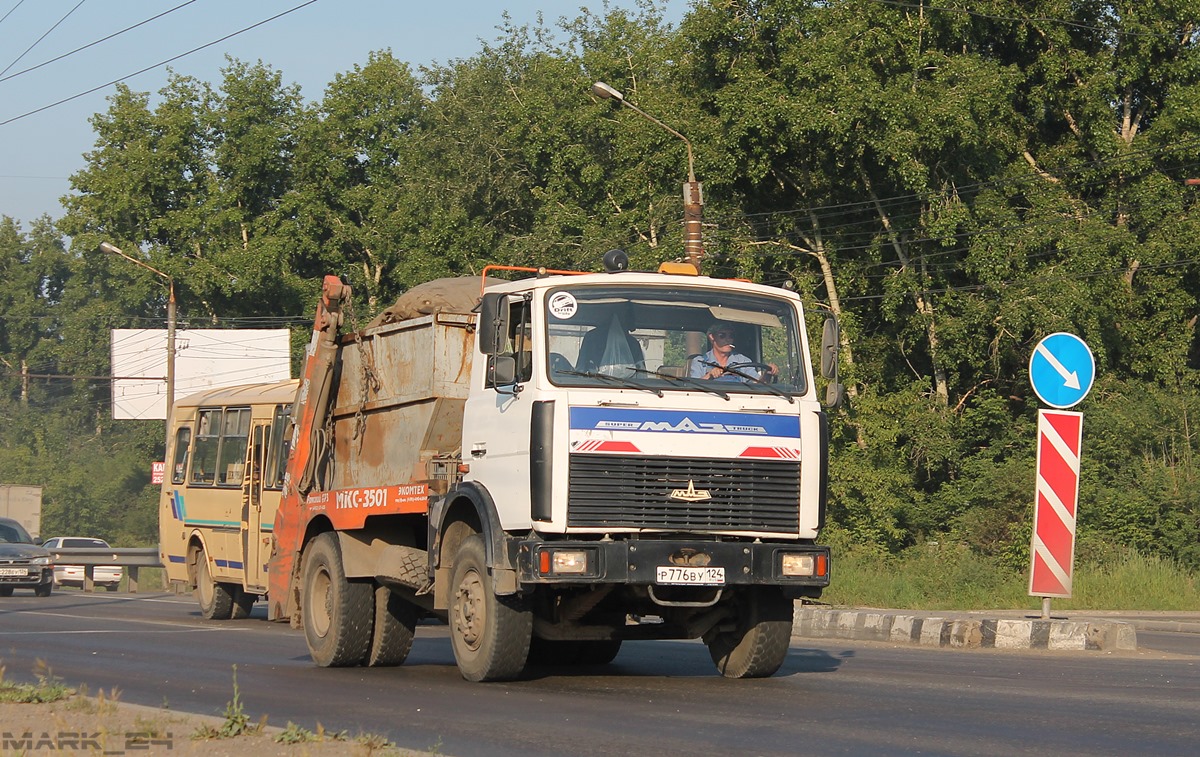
x=691 y=494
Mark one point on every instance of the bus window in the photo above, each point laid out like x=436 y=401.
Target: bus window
x=277 y=449
x=183 y=440
x=204 y=456
x=231 y=462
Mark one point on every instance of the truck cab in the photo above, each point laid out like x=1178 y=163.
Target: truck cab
x=632 y=474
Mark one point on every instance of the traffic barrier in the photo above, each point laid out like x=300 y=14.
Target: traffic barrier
x=130 y=558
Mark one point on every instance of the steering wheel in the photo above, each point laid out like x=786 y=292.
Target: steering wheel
x=764 y=370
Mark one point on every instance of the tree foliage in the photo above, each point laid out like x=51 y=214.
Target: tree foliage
x=954 y=180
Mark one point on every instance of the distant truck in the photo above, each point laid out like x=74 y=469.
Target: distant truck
x=557 y=469
x=23 y=504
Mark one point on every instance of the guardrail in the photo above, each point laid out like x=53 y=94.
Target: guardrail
x=130 y=558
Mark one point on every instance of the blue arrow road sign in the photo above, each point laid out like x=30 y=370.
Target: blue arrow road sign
x=1062 y=370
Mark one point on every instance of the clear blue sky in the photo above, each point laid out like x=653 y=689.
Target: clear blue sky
x=308 y=47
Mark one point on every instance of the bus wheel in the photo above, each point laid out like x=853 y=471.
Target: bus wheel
x=216 y=601
x=337 y=612
x=490 y=634
x=757 y=646
x=395 y=626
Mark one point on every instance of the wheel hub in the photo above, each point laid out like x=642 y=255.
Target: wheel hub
x=469 y=610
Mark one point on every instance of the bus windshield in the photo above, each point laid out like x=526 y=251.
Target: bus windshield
x=674 y=339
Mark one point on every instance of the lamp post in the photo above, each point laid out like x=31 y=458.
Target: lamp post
x=693 y=192
x=106 y=247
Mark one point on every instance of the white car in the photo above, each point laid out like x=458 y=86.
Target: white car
x=108 y=576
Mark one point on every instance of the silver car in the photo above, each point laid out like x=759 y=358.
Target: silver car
x=108 y=576
x=23 y=564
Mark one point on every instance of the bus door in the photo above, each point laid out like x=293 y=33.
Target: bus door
x=256 y=551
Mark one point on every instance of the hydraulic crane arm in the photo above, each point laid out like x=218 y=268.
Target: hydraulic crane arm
x=308 y=447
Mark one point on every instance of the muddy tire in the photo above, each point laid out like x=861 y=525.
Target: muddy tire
x=215 y=599
x=490 y=634
x=395 y=626
x=6 y=591
x=758 y=645
x=337 y=613
x=243 y=603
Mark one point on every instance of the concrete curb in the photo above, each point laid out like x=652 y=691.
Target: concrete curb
x=968 y=632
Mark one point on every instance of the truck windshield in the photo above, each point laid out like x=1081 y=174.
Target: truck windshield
x=674 y=339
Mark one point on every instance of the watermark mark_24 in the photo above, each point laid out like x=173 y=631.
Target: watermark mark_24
x=81 y=741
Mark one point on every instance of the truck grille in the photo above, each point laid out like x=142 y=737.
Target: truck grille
x=612 y=491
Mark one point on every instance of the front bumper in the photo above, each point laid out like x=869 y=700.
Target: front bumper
x=636 y=562
x=35 y=576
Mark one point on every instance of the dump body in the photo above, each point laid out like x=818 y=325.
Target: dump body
x=409 y=408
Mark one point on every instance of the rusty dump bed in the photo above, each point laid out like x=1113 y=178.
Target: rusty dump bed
x=401 y=391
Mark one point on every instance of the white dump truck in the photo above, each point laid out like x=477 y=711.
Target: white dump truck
x=555 y=465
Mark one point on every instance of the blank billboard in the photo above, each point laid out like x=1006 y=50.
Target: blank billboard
x=204 y=358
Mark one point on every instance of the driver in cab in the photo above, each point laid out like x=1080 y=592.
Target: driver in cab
x=723 y=363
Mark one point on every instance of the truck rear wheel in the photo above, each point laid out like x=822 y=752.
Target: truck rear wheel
x=395 y=626
x=215 y=599
x=490 y=634
x=337 y=613
x=758 y=645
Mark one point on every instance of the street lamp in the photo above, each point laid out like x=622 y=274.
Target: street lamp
x=106 y=247
x=693 y=193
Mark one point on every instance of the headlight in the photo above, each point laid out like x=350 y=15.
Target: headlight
x=564 y=562
x=42 y=561
x=798 y=565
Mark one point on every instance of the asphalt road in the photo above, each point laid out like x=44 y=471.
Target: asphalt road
x=830 y=697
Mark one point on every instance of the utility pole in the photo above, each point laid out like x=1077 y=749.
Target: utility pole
x=693 y=191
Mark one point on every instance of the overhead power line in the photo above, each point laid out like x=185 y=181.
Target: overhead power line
x=93 y=44
x=160 y=64
x=10 y=11
x=39 y=39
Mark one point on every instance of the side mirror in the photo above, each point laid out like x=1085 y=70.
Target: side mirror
x=833 y=394
x=830 y=342
x=493 y=323
x=502 y=371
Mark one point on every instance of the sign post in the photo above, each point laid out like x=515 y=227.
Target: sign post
x=1062 y=371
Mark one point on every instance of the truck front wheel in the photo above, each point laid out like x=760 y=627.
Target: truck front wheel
x=758 y=644
x=338 y=613
x=490 y=634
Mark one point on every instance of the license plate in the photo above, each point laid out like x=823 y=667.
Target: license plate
x=672 y=574
x=13 y=572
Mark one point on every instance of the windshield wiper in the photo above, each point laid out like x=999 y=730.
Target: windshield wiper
x=752 y=381
x=615 y=380
x=688 y=381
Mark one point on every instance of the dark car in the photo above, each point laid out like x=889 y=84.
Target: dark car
x=23 y=564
